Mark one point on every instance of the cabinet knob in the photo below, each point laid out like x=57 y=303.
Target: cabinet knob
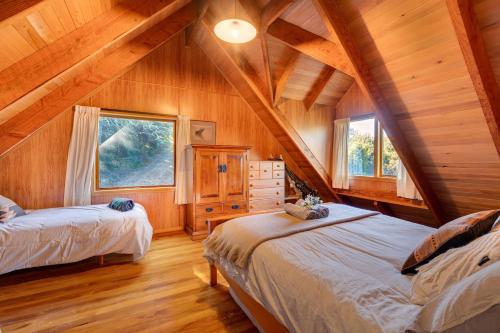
x=265 y=170
x=235 y=206
x=277 y=203
x=277 y=183
x=209 y=209
x=251 y=185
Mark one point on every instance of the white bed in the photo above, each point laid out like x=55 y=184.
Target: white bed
x=339 y=278
x=64 y=235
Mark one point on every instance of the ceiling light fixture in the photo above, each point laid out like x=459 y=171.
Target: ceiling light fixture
x=234 y=30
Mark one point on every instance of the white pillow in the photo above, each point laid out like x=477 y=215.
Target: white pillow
x=462 y=301
x=453 y=266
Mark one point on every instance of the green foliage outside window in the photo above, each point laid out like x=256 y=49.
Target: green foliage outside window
x=362 y=147
x=390 y=158
x=135 y=152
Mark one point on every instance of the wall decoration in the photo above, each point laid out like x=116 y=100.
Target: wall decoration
x=203 y=132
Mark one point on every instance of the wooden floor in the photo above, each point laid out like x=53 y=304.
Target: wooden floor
x=167 y=291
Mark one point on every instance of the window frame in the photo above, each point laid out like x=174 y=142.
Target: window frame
x=377 y=150
x=135 y=116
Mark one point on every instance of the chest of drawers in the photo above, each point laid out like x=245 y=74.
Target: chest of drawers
x=266 y=185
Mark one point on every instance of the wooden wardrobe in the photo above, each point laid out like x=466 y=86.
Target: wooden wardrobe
x=218 y=184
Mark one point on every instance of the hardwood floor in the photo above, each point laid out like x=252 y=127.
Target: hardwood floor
x=167 y=291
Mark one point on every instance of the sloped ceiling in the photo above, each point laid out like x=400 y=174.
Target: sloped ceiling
x=410 y=46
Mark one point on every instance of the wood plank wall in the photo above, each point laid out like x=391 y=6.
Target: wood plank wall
x=173 y=80
x=414 y=54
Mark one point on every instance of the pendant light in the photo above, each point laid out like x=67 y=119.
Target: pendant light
x=234 y=30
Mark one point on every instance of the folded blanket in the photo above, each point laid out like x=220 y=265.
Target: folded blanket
x=121 y=204
x=236 y=240
x=305 y=213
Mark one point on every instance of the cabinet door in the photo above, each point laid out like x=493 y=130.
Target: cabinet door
x=208 y=178
x=235 y=176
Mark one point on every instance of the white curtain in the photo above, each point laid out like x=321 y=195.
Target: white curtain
x=404 y=185
x=182 y=195
x=340 y=154
x=81 y=156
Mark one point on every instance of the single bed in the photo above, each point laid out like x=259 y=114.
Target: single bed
x=70 y=234
x=343 y=277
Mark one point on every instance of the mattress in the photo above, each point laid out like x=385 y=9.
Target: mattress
x=340 y=278
x=63 y=235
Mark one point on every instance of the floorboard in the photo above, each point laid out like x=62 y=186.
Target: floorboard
x=167 y=291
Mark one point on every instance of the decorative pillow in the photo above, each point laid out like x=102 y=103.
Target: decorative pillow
x=496 y=226
x=453 y=234
x=9 y=209
x=453 y=266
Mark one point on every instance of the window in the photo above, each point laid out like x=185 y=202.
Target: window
x=135 y=151
x=371 y=153
x=362 y=147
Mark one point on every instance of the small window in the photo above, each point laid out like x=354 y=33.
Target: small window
x=390 y=158
x=135 y=151
x=362 y=147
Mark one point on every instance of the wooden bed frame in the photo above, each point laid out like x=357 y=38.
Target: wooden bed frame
x=262 y=318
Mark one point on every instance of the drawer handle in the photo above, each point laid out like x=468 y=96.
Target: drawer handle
x=209 y=209
x=277 y=183
x=251 y=176
x=251 y=195
x=277 y=192
x=265 y=170
x=252 y=206
x=277 y=203
x=235 y=206
x=251 y=185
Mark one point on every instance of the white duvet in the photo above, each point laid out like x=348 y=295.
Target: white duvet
x=340 y=278
x=70 y=234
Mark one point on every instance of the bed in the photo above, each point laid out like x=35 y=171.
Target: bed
x=341 y=277
x=70 y=234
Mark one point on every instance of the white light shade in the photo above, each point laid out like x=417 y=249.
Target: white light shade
x=235 y=31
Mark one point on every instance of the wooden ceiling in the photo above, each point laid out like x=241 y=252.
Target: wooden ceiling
x=416 y=61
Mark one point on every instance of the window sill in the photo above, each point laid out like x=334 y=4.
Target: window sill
x=134 y=190
x=375 y=179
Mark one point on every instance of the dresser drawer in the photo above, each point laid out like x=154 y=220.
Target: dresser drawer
x=235 y=207
x=265 y=174
x=270 y=192
x=266 y=166
x=253 y=165
x=253 y=175
x=278 y=166
x=208 y=209
x=267 y=204
x=263 y=183
x=201 y=224
x=278 y=174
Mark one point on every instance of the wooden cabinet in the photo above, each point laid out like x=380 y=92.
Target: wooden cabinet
x=218 y=184
x=266 y=185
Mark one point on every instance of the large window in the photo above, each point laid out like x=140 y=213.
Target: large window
x=371 y=153
x=135 y=151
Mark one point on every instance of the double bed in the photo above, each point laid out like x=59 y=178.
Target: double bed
x=70 y=234
x=342 y=276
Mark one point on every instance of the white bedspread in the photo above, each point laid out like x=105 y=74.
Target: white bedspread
x=340 y=278
x=70 y=234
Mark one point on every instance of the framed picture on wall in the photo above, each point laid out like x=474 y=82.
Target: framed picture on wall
x=203 y=132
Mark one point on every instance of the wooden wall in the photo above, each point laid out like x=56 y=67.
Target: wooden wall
x=413 y=52
x=314 y=126
x=173 y=80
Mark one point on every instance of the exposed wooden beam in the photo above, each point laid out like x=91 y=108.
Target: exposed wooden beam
x=310 y=44
x=331 y=15
x=295 y=147
x=285 y=77
x=271 y=12
x=109 y=31
x=318 y=86
x=478 y=62
x=202 y=6
x=91 y=77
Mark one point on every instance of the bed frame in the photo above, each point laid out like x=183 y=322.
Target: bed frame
x=263 y=319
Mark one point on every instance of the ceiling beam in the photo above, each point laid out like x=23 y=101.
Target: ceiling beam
x=271 y=12
x=478 y=63
x=331 y=15
x=91 y=77
x=109 y=30
x=314 y=46
x=285 y=76
x=202 y=6
x=275 y=122
x=318 y=87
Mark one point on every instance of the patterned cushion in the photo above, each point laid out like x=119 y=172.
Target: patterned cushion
x=9 y=209
x=453 y=234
